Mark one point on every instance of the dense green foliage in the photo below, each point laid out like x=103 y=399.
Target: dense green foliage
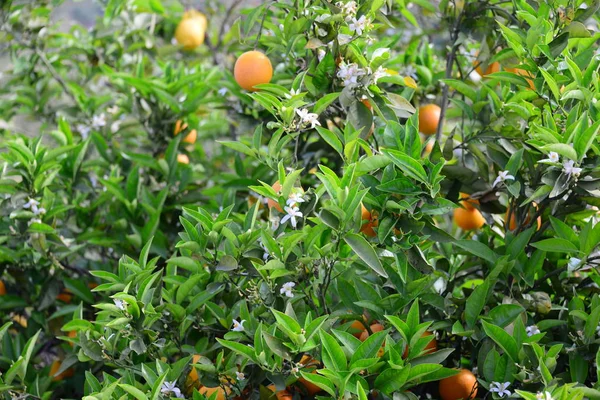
x=138 y=263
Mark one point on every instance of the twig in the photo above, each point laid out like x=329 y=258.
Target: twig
x=60 y=80
x=227 y=15
x=449 y=64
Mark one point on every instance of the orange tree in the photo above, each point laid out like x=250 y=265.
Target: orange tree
x=339 y=258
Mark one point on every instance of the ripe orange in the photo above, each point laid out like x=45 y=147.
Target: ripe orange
x=281 y=395
x=193 y=375
x=367 y=103
x=524 y=73
x=491 y=68
x=468 y=203
x=72 y=335
x=512 y=225
x=252 y=68
x=428 y=148
x=272 y=203
x=183 y=159
x=208 y=391
x=372 y=222
x=65 y=297
x=311 y=388
x=374 y=328
x=429 y=118
x=356 y=328
x=54 y=369
x=468 y=219
x=2 y=289
x=462 y=386
x=430 y=348
x=191 y=30
x=190 y=137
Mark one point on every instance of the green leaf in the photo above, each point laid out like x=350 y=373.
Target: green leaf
x=331 y=140
x=392 y=380
x=369 y=348
x=477 y=249
x=320 y=381
x=504 y=314
x=240 y=349
x=462 y=87
x=332 y=353
x=324 y=102
x=366 y=253
x=556 y=245
x=408 y=165
x=476 y=302
x=132 y=390
x=502 y=339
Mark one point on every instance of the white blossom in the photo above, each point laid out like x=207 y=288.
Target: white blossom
x=570 y=169
x=360 y=25
x=349 y=73
x=295 y=370
x=31 y=203
x=293 y=92
x=532 y=330
x=553 y=157
x=169 y=388
x=321 y=32
x=120 y=304
x=544 y=396
x=292 y=213
x=503 y=176
x=321 y=18
x=574 y=264
x=240 y=376
x=597 y=331
x=321 y=54
x=113 y=110
x=411 y=71
x=83 y=130
x=287 y=289
x=308 y=117
x=379 y=73
x=98 y=121
x=348 y=9
x=34 y=221
x=238 y=326
x=500 y=388
x=295 y=198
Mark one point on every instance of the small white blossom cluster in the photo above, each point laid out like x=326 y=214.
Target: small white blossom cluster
x=308 y=118
x=569 y=167
x=33 y=205
x=238 y=326
x=500 y=388
x=544 y=396
x=287 y=289
x=532 y=330
x=349 y=9
x=170 y=389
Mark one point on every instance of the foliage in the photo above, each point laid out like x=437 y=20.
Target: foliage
x=310 y=208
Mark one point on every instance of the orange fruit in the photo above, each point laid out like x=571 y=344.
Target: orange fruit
x=468 y=220
x=468 y=204
x=208 y=391
x=372 y=222
x=428 y=147
x=190 y=137
x=183 y=159
x=524 y=73
x=512 y=225
x=193 y=375
x=65 y=297
x=92 y=285
x=54 y=369
x=2 y=289
x=491 y=68
x=429 y=118
x=462 y=386
x=311 y=388
x=272 y=203
x=367 y=103
x=281 y=395
x=356 y=328
x=252 y=68
x=430 y=348
x=191 y=30
x=72 y=335
x=374 y=328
